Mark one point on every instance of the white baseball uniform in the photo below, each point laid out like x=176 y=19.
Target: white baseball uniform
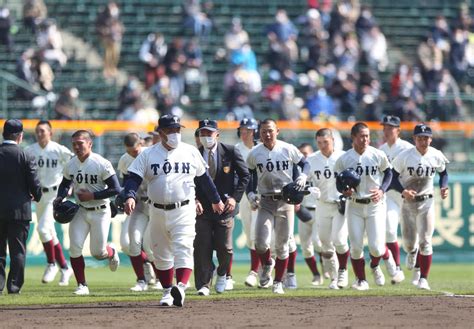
x=246 y=214
x=274 y=170
x=362 y=214
x=393 y=198
x=138 y=220
x=170 y=177
x=417 y=172
x=93 y=216
x=50 y=162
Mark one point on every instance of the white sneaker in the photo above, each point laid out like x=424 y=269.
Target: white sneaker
x=290 y=281
x=114 y=261
x=333 y=285
x=50 y=273
x=342 y=278
x=415 y=278
x=220 y=283
x=379 y=278
x=177 y=292
x=66 y=274
x=410 y=260
x=395 y=273
x=167 y=299
x=204 y=291
x=141 y=285
x=81 y=290
x=251 y=280
x=149 y=272
x=423 y=284
x=157 y=286
x=278 y=288
x=229 y=283
x=317 y=280
x=360 y=285
x=266 y=276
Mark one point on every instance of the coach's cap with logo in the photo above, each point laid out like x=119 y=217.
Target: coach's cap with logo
x=12 y=126
x=391 y=120
x=208 y=125
x=422 y=130
x=169 y=121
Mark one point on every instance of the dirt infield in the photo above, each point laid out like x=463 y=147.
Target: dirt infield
x=361 y=312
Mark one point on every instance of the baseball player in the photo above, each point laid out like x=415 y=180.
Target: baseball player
x=138 y=220
x=414 y=172
x=366 y=205
x=271 y=165
x=50 y=158
x=169 y=169
x=330 y=224
x=94 y=181
x=393 y=146
x=247 y=132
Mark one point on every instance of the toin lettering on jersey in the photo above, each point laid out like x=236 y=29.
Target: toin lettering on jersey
x=168 y=167
x=270 y=166
x=366 y=170
x=421 y=171
x=326 y=173
x=48 y=163
x=84 y=178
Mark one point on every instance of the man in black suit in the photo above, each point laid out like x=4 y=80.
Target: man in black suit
x=19 y=185
x=229 y=172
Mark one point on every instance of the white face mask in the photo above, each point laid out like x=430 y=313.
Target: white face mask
x=207 y=141
x=173 y=140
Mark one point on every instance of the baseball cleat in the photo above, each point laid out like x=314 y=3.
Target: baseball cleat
x=360 y=285
x=251 y=280
x=114 y=261
x=333 y=285
x=398 y=277
x=290 y=281
x=410 y=260
x=177 y=292
x=157 y=286
x=204 y=291
x=150 y=275
x=317 y=280
x=266 y=276
x=278 y=288
x=423 y=284
x=229 y=283
x=81 y=290
x=167 y=299
x=49 y=273
x=66 y=274
x=141 y=285
x=220 y=283
x=415 y=278
x=379 y=278
x=342 y=278
x=395 y=273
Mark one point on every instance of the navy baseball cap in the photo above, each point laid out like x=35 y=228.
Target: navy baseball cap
x=422 y=130
x=208 y=125
x=169 y=121
x=391 y=120
x=249 y=123
x=12 y=126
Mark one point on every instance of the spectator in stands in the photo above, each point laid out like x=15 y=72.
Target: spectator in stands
x=319 y=103
x=290 y=105
x=312 y=40
x=273 y=93
x=34 y=12
x=44 y=72
x=195 y=19
x=26 y=72
x=236 y=83
x=236 y=37
x=110 y=30
x=441 y=34
x=428 y=55
x=365 y=22
x=50 y=41
x=245 y=58
x=282 y=35
x=374 y=46
x=241 y=109
x=346 y=52
x=458 y=63
x=344 y=91
x=344 y=17
x=152 y=52
x=369 y=107
x=194 y=71
x=68 y=105
x=447 y=105
x=129 y=94
x=6 y=23
x=175 y=61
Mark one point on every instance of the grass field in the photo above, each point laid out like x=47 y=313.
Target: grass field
x=106 y=286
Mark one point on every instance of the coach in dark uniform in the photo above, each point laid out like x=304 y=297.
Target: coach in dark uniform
x=229 y=172
x=19 y=185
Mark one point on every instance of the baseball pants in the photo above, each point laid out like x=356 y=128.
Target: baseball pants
x=44 y=212
x=136 y=229
x=417 y=225
x=172 y=235
x=248 y=218
x=368 y=218
x=95 y=222
x=331 y=228
x=394 y=204
x=273 y=216
x=309 y=237
x=124 y=236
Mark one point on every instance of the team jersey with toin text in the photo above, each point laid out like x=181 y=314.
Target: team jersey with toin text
x=323 y=175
